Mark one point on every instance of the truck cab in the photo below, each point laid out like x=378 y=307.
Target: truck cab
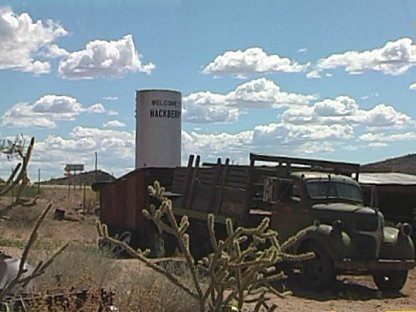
x=326 y=205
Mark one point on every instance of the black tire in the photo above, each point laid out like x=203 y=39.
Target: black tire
x=392 y=281
x=119 y=250
x=200 y=242
x=170 y=244
x=319 y=272
x=157 y=244
x=104 y=246
x=115 y=249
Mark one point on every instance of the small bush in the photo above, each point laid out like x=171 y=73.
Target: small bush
x=146 y=290
x=78 y=266
x=21 y=217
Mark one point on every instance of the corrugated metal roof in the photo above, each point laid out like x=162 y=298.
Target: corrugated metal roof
x=387 y=178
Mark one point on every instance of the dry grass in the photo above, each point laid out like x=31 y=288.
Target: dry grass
x=136 y=287
x=145 y=290
x=82 y=265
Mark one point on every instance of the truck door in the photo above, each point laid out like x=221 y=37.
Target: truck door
x=290 y=213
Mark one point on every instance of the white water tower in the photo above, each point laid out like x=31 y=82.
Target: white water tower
x=158 y=128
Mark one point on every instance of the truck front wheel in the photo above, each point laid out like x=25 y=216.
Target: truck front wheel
x=319 y=272
x=390 y=280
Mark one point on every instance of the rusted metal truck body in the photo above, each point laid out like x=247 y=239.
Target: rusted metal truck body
x=346 y=235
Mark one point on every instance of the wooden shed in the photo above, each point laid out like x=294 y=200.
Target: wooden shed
x=393 y=193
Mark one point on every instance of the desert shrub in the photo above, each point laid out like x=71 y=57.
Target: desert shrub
x=135 y=287
x=78 y=266
x=29 y=191
x=21 y=217
x=144 y=290
x=7 y=242
x=22 y=277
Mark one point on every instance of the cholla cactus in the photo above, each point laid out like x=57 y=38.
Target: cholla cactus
x=240 y=269
x=19 y=175
x=12 y=148
x=21 y=277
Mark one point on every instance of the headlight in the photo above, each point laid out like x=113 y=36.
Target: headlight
x=337 y=225
x=405 y=228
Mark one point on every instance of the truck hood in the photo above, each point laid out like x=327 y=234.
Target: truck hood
x=343 y=207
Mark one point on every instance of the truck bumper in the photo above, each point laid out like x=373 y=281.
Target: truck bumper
x=374 y=265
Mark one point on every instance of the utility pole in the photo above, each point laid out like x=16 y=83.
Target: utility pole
x=39 y=181
x=96 y=166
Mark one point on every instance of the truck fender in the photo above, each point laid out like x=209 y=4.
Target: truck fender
x=336 y=243
x=396 y=245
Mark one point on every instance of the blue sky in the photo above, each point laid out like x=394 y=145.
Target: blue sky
x=321 y=79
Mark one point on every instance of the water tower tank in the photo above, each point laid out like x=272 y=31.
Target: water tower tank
x=158 y=128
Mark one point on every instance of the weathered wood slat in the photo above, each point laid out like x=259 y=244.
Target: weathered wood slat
x=184 y=188
x=190 y=196
x=218 y=200
x=216 y=192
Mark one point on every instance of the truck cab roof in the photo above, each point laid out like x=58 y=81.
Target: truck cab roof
x=325 y=176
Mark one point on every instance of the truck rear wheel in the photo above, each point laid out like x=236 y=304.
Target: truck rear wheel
x=390 y=280
x=115 y=249
x=319 y=272
x=157 y=244
x=200 y=242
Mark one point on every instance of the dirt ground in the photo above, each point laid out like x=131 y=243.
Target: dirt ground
x=349 y=293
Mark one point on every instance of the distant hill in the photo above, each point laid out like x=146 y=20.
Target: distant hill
x=87 y=178
x=403 y=164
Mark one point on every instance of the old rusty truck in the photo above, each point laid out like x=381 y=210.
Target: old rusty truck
x=321 y=198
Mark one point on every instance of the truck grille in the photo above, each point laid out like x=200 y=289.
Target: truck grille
x=366 y=246
x=367 y=224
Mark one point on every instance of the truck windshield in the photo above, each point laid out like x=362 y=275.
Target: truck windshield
x=333 y=189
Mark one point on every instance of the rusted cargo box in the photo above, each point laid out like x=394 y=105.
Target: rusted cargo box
x=122 y=202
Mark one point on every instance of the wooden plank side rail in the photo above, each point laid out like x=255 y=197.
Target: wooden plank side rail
x=338 y=167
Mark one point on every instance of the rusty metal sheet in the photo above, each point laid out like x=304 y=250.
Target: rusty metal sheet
x=123 y=200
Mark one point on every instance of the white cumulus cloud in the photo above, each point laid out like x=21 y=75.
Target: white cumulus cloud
x=412 y=86
x=114 y=124
x=118 y=145
x=273 y=138
x=345 y=110
x=383 y=115
x=111 y=146
x=394 y=58
x=104 y=59
x=22 y=40
x=253 y=60
x=46 y=111
x=54 y=51
x=263 y=93
x=214 y=145
x=289 y=134
x=341 y=106
x=256 y=94
x=388 y=137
